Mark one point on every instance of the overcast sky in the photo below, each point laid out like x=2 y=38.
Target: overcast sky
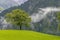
x=20 y=1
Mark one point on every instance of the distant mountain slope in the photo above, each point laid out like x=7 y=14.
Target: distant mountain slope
x=32 y=5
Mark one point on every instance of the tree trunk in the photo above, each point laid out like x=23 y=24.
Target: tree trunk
x=20 y=27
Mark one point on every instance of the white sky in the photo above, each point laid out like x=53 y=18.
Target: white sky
x=20 y=1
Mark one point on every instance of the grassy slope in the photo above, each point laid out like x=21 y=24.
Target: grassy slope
x=25 y=35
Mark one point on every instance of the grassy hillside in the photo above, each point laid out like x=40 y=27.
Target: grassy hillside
x=25 y=35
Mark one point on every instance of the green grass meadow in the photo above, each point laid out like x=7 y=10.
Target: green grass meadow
x=25 y=35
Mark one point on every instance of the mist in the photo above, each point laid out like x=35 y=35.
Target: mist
x=42 y=12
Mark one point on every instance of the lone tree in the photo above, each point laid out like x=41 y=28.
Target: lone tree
x=18 y=17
